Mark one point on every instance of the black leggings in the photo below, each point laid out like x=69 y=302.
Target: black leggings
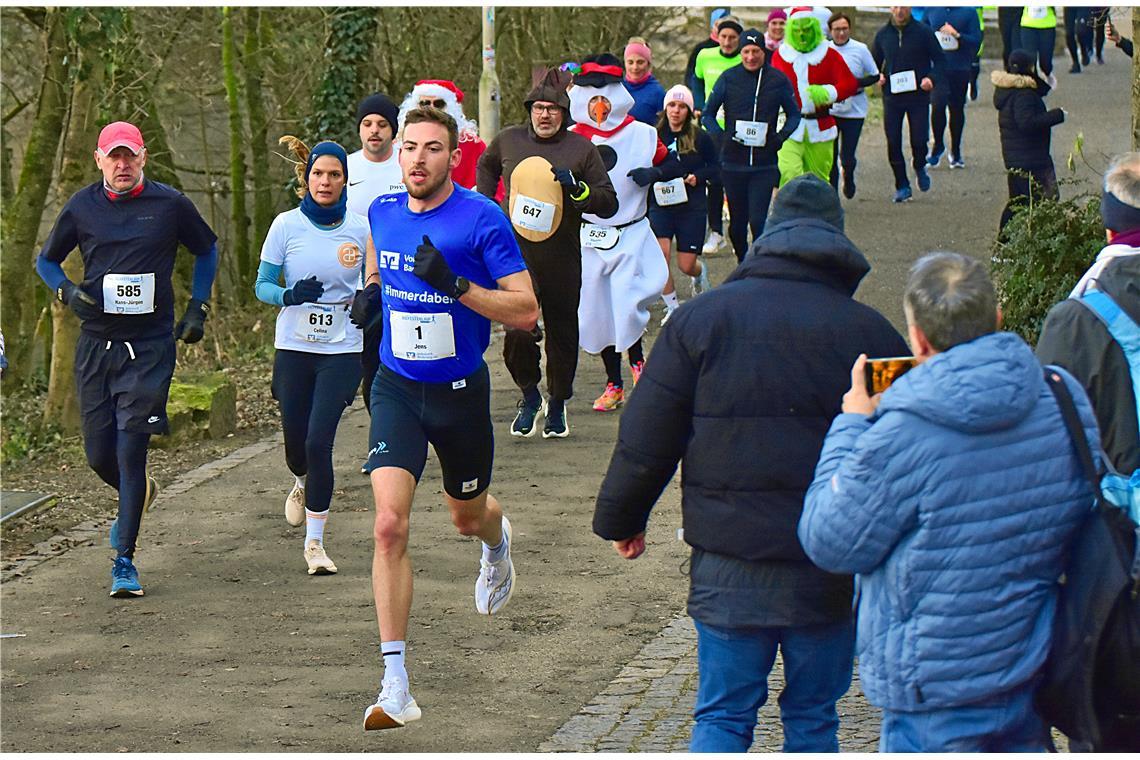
x=1022 y=190
x=749 y=195
x=313 y=391
x=611 y=358
x=119 y=459
x=1099 y=17
x=715 y=197
x=1078 y=33
x=949 y=95
x=844 y=151
x=915 y=106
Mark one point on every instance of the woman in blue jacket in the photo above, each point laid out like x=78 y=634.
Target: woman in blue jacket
x=648 y=94
x=677 y=207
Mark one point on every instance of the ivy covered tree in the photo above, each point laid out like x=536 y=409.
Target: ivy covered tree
x=348 y=48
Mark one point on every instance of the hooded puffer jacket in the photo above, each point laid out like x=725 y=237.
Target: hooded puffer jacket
x=955 y=502
x=1024 y=123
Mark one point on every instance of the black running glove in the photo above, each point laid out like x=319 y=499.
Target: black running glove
x=365 y=304
x=645 y=175
x=84 y=306
x=192 y=326
x=304 y=291
x=432 y=268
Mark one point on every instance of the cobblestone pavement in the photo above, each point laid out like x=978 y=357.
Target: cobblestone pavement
x=649 y=706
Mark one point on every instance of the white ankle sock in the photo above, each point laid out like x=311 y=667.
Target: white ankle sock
x=393 y=653
x=315 y=525
x=495 y=553
x=300 y=481
x=671 y=301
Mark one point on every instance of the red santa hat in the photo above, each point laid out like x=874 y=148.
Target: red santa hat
x=799 y=12
x=427 y=85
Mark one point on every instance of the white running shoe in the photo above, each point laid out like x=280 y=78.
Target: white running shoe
x=319 y=562
x=295 y=506
x=496 y=582
x=701 y=282
x=713 y=244
x=394 y=707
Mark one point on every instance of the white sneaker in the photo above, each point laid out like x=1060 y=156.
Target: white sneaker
x=713 y=244
x=319 y=562
x=701 y=282
x=496 y=582
x=394 y=707
x=295 y=506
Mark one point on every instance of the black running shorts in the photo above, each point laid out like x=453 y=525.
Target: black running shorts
x=124 y=384
x=454 y=417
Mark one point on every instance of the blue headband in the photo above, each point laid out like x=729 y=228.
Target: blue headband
x=1118 y=216
x=326 y=215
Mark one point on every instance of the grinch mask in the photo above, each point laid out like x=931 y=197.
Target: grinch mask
x=804 y=34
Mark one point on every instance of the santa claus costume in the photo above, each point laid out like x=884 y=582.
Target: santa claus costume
x=623 y=272
x=471 y=146
x=814 y=68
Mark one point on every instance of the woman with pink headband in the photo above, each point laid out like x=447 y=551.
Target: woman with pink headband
x=648 y=94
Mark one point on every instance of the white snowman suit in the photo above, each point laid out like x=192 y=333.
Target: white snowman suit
x=619 y=283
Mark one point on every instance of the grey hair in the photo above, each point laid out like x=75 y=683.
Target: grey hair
x=1123 y=178
x=950 y=297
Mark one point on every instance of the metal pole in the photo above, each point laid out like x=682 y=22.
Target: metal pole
x=488 y=80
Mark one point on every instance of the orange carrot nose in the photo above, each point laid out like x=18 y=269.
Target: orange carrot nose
x=598 y=111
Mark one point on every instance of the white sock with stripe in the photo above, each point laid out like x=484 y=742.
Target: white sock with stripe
x=315 y=526
x=393 y=653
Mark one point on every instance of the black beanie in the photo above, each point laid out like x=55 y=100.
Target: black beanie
x=753 y=37
x=807 y=197
x=381 y=104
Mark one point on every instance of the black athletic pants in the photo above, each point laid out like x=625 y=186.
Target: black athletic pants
x=1021 y=190
x=1009 y=24
x=749 y=195
x=715 y=196
x=915 y=106
x=1079 y=34
x=845 y=145
x=949 y=95
x=313 y=390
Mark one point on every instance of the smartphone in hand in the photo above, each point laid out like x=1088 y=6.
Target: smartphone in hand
x=880 y=373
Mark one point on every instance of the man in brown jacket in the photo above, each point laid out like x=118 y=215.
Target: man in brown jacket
x=552 y=177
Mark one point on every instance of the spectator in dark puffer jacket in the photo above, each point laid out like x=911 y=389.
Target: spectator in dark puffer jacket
x=1026 y=130
x=742 y=385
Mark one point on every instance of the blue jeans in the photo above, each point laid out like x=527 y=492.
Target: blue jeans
x=733 y=667
x=1005 y=723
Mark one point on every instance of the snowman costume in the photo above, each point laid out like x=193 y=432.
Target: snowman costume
x=623 y=271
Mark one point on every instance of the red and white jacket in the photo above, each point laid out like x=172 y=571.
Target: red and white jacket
x=823 y=66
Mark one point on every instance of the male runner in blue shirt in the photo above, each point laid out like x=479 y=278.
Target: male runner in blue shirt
x=448 y=263
x=127 y=229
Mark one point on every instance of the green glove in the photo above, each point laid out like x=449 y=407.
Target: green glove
x=818 y=94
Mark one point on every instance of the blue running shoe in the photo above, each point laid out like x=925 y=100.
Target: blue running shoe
x=923 y=181
x=125 y=579
x=903 y=194
x=935 y=158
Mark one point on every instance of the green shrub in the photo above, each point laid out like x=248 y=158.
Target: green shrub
x=1041 y=254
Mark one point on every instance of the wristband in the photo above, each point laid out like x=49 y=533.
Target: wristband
x=585 y=193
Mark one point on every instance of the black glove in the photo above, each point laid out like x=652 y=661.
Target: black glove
x=566 y=178
x=432 y=268
x=645 y=176
x=192 y=326
x=84 y=306
x=304 y=291
x=364 y=305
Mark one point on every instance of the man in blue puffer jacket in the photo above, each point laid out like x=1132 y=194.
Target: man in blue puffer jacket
x=954 y=495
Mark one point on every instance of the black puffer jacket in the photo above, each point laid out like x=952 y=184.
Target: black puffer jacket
x=1024 y=123
x=742 y=385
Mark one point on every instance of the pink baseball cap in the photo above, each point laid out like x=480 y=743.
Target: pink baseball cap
x=120 y=133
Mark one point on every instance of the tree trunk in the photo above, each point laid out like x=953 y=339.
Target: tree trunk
x=237 y=163
x=1135 y=80
x=256 y=39
x=23 y=214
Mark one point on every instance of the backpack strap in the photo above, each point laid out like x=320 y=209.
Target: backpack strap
x=1123 y=330
x=1072 y=420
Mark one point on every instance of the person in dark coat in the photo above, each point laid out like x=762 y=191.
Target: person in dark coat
x=741 y=386
x=1026 y=130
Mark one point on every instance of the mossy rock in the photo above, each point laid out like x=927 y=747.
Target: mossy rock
x=200 y=406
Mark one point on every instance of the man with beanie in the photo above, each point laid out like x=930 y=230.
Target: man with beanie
x=1082 y=336
x=552 y=176
x=128 y=229
x=374 y=171
x=751 y=96
x=748 y=458
x=911 y=61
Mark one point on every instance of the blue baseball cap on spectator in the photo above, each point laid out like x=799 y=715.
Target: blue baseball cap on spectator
x=717 y=15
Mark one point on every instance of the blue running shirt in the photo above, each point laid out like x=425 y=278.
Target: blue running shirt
x=428 y=336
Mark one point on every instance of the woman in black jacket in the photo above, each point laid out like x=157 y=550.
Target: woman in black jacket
x=677 y=208
x=1026 y=128
x=752 y=95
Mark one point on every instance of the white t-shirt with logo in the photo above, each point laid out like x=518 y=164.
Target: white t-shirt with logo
x=369 y=179
x=336 y=257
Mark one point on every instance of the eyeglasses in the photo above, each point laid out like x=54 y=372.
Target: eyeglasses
x=439 y=103
x=538 y=109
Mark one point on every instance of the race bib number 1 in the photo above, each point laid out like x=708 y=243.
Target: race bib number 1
x=903 y=81
x=532 y=215
x=128 y=293
x=422 y=336
x=320 y=323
